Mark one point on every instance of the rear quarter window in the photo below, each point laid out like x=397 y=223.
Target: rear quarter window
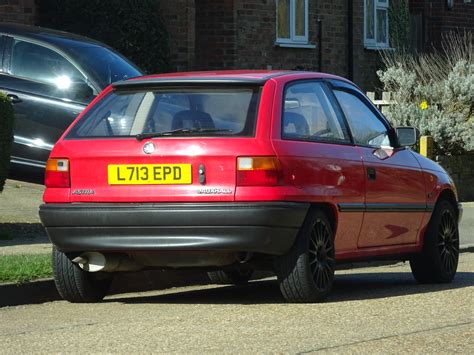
x=218 y=111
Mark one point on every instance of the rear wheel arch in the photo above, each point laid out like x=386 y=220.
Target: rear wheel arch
x=329 y=210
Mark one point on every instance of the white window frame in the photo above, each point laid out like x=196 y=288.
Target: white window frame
x=371 y=43
x=294 y=39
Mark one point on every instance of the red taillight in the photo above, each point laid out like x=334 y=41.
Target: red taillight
x=258 y=171
x=57 y=173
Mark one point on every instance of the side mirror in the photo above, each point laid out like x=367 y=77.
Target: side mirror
x=407 y=136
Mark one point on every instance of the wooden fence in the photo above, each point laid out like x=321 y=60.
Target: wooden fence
x=383 y=103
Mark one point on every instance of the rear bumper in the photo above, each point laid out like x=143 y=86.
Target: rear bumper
x=269 y=228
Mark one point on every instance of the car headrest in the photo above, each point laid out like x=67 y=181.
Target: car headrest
x=191 y=119
x=295 y=124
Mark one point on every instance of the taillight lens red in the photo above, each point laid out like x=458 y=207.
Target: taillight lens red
x=258 y=171
x=57 y=173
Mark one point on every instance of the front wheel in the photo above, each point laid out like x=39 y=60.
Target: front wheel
x=306 y=272
x=438 y=261
x=76 y=285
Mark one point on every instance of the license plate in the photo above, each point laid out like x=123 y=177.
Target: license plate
x=149 y=174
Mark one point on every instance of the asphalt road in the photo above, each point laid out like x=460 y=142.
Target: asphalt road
x=371 y=310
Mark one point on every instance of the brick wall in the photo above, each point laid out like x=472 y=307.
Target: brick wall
x=366 y=61
x=256 y=34
x=179 y=18
x=215 y=34
x=240 y=34
x=461 y=169
x=256 y=31
x=18 y=11
x=439 y=20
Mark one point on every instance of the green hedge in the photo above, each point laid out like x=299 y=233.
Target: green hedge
x=132 y=27
x=6 y=136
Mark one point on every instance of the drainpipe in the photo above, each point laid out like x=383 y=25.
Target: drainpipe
x=350 y=50
x=320 y=45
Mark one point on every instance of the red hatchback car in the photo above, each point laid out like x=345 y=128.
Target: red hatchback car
x=234 y=171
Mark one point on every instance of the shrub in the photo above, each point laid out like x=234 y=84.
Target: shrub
x=133 y=27
x=6 y=136
x=435 y=93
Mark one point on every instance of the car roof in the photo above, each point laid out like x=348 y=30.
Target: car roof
x=233 y=77
x=55 y=37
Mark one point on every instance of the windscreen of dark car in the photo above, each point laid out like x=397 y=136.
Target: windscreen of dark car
x=203 y=111
x=104 y=65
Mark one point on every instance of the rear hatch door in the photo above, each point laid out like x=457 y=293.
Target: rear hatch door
x=162 y=144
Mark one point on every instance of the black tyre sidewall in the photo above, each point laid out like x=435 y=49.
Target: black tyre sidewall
x=293 y=269
x=76 y=285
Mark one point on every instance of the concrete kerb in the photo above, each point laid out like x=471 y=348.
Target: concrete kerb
x=44 y=290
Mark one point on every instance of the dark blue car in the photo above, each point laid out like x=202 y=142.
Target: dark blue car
x=50 y=77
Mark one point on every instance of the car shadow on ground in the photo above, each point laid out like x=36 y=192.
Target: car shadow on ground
x=22 y=233
x=347 y=287
x=26 y=175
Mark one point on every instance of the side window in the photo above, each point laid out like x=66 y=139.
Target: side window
x=309 y=115
x=366 y=128
x=38 y=63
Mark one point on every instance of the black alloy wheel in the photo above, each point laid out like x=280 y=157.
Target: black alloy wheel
x=438 y=260
x=321 y=254
x=448 y=241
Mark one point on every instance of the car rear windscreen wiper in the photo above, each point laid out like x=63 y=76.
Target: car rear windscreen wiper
x=180 y=131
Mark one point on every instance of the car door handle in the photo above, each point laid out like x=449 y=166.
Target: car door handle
x=14 y=99
x=371 y=174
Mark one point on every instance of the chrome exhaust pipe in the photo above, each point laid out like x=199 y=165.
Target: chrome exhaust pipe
x=93 y=261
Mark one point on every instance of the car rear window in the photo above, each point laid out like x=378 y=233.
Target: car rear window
x=203 y=111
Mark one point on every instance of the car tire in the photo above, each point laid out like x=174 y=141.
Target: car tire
x=306 y=272
x=76 y=285
x=236 y=276
x=438 y=261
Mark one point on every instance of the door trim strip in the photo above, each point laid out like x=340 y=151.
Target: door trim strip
x=385 y=207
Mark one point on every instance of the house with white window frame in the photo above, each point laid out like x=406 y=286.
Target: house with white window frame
x=376 y=30
x=343 y=37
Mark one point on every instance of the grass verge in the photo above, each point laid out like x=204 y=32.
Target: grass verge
x=25 y=267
